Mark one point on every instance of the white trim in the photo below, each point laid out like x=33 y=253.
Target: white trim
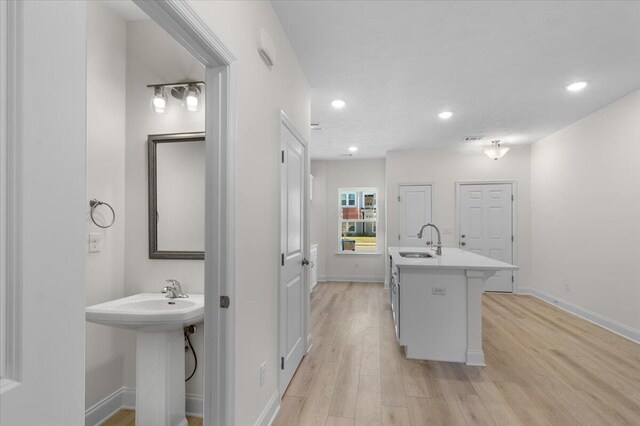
x=125 y=399
x=351 y=278
x=270 y=411
x=514 y=220
x=11 y=195
x=185 y=26
x=593 y=317
x=475 y=358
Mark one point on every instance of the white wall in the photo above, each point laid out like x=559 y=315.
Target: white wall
x=329 y=177
x=106 y=68
x=443 y=168
x=586 y=210
x=155 y=57
x=262 y=93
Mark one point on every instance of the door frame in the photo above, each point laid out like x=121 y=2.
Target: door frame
x=284 y=120
x=178 y=19
x=514 y=218
x=431 y=184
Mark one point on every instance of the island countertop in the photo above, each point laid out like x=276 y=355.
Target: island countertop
x=452 y=258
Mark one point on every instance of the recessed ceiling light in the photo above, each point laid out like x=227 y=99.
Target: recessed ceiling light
x=577 y=86
x=445 y=115
x=353 y=148
x=338 y=104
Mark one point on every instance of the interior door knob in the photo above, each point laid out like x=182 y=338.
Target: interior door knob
x=463 y=243
x=305 y=262
x=462 y=236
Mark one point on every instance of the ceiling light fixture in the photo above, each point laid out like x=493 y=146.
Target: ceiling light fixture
x=495 y=150
x=353 y=148
x=445 y=115
x=338 y=104
x=188 y=92
x=577 y=86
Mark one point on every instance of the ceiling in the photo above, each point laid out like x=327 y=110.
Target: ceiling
x=500 y=67
x=126 y=9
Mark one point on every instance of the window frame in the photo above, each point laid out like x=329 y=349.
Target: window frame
x=341 y=221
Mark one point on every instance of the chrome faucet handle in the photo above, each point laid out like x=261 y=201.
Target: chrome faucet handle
x=176 y=289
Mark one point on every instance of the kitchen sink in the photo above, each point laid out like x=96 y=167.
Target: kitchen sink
x=415 y=254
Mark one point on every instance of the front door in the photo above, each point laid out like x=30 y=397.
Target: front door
x=415 y=211
x=293 y=273
x=486 y=227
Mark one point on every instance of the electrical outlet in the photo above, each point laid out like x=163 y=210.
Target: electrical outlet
x=567 y=285
x=263 y=373
x=439 y=291
x=447 y=230
x=94 y=242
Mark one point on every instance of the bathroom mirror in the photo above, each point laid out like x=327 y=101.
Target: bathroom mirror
x=176 y=196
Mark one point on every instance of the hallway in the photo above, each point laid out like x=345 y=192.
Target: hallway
x=356 y=373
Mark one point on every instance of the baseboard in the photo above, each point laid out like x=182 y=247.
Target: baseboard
x=270 y=411
x=104 y=409
x=125 y=398
x=351 y=278
x=593 y=317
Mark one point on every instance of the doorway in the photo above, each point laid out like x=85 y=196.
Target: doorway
x=294 y=252
x=486 y=219
x=415 y=210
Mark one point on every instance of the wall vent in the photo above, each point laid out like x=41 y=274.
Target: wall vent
x=346 y=155
x=473 y=138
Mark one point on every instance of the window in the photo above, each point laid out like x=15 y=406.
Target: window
x=358 y=220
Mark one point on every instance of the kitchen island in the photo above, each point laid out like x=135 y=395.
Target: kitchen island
x=436 y=302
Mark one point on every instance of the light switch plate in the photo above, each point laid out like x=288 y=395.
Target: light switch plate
x=94 y=242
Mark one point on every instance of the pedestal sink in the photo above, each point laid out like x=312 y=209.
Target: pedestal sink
x=159 y=322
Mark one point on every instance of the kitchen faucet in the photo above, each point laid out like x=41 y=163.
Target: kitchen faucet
x=174 y=290
x=439 y=244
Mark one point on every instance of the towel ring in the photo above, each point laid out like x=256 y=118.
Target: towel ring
x=95 y=203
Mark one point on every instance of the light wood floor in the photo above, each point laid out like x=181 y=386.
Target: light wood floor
x=128 y=418
x=544 y=367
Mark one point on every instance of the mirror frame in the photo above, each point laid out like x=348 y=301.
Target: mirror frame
x=152 y=142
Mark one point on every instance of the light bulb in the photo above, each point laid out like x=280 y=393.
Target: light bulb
x=445 y=115
x=191 y=98
x=159 y=100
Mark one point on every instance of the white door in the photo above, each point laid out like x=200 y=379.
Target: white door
x=43 y=380
x=415 y=211
x=293 y=247
x=486 y=227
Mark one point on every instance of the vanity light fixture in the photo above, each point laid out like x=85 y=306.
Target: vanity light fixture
x=188 y=92
x=190 y=99
x=445 y=115
x=338 y=104
x=159 y=100
x=495 y=150
x=353 y=148
x=577 y=86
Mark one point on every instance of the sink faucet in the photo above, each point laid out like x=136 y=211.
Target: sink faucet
x=439 y=243
x=174 y=290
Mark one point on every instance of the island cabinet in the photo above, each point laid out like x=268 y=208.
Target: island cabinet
x=436 y=303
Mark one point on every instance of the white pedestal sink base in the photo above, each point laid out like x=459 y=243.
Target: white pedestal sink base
x=160 y=386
